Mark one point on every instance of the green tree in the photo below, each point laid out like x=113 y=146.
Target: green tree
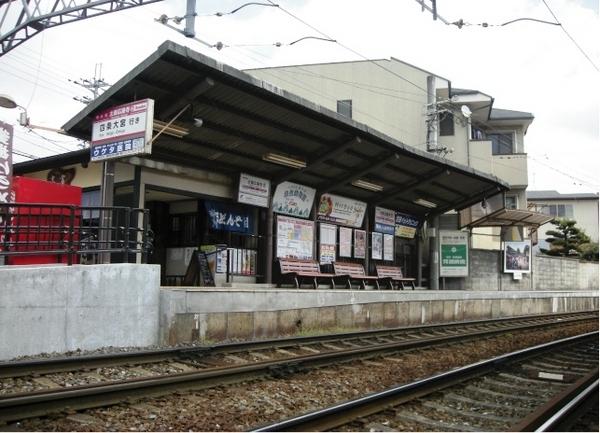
x=566 y=239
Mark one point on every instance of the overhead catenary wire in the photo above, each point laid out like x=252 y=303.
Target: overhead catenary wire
x=571 y=37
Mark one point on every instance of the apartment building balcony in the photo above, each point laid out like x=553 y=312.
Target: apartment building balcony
x=510 y=167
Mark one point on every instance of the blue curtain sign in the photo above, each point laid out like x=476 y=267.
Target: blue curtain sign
x=228 y=217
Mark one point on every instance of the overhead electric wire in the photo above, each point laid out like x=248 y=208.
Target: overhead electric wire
x=571 y=37
x=347 y=48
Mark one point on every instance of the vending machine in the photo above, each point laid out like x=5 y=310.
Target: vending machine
x=41 y=228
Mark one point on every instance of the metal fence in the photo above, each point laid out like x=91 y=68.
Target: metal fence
x=54 y=233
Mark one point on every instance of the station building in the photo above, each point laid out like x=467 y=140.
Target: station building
x=244 y=165
x=250 y=173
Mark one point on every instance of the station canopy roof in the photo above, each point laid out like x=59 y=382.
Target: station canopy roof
x=233 y=121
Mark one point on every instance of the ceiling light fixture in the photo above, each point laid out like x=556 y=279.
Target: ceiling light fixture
x=426 y=203
x=172 y=130
x=360 y=183
x=280 y=159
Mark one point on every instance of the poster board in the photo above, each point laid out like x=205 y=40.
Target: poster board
x=454 y=253
x=406 y=225
x=388 y=247
x=294 y=238
x=376 y=246
x=360 y=244
x=327 y=243
x=293 y=199
x=254 y=190
x=345 y=242
x=517 y=257
x=385 y=220
x=341 y=210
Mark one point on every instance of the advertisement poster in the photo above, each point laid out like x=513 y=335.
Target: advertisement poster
x=388 y=247
x=385 y=219
x=254 y=190
x=345 y=242
x=406 y=225
x=517 y=256
x=454 y=256
x=376 y=246
x=360 y=244
x=293 y=199
x=327 y=242
x=122 y=130
x=294 y=238
x=341 y=210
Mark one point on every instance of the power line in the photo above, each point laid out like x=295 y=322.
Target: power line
x=348 y=48
x=570 y=37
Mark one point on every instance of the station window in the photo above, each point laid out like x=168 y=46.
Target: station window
x=344 y=107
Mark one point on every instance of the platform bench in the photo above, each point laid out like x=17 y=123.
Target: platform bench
x=299 y=271
x=356 y=271
x=393 y=274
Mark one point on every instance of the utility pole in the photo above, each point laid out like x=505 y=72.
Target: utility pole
x=434 y=220
x=94 y=85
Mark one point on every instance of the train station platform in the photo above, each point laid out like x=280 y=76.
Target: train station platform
x=247 y=312
x=57 y=309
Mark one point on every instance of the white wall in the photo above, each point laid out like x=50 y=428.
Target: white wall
x=64 y=308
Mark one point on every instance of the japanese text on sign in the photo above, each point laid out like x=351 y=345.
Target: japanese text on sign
x=6 y=134
x=123 y=130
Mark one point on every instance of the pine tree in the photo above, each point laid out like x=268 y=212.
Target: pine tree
x=566 y=239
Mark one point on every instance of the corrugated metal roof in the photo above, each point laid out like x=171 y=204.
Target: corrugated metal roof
x=555 y=195
x=244 y=118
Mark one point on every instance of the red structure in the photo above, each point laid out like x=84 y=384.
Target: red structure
x=39 y=227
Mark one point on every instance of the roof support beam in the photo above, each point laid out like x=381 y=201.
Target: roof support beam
x=365 y=168
x=330 y=154
x=272 y=145
x=471 y=200
x=188 y=97
x=408 y=187
x=222 y=106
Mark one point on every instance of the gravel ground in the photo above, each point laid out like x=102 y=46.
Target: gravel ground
x=240 y=407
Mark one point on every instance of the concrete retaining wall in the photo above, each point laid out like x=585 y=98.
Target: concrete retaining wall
x=548 y=273
x=213 y=315
x=60 y=308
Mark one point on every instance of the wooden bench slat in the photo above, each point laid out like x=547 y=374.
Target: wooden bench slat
x=394 y=273
x=301 y=269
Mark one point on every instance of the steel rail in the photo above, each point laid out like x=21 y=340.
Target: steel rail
x=340 y=414
x=55 y=365
x=25 y=405
x=553 y=414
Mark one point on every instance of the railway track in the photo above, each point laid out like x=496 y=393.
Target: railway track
x=541 y=388
x=246 y=361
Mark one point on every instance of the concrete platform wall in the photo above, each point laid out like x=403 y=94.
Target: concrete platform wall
x=63 y=308
x=211 y=315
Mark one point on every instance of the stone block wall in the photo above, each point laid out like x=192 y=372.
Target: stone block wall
x=548 y=273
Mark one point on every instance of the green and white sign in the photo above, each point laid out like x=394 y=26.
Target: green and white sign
x=454 y=253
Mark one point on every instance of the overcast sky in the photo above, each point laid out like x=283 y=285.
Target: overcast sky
x=525 y=66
